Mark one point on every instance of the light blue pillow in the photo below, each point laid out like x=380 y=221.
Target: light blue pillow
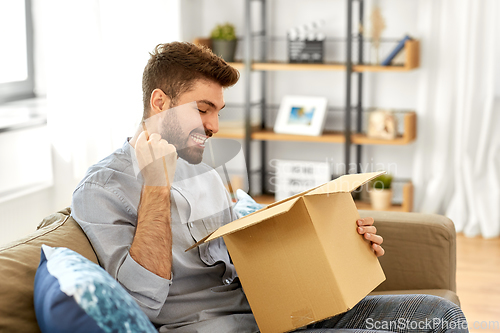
x=72 y=294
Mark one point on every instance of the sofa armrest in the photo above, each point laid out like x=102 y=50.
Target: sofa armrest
x=420 y=250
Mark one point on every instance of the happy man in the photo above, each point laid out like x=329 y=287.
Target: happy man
x=143 y=205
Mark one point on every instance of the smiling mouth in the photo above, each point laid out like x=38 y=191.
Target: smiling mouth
x=199 y=139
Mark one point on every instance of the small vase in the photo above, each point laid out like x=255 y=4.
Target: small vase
x=380 y=199
x=224 y=48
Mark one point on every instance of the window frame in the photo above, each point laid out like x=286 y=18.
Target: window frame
x=17 y=90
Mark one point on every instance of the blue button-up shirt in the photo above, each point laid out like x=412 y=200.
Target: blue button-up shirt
x=203 y=294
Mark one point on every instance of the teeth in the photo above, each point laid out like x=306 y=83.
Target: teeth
x=199 y=138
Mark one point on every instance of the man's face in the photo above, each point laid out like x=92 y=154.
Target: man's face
x=195 y=119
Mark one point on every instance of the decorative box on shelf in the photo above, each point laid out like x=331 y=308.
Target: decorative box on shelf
x=292 y=177
x=305 y=51
x=306 y=43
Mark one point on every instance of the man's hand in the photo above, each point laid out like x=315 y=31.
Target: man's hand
x=157 y=159
x=369 y=232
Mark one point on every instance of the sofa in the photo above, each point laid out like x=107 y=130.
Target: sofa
x=420 y=257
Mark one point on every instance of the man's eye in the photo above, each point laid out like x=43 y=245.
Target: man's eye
x=202 y=111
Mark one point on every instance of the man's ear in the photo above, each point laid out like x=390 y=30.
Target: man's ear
x=159 y=102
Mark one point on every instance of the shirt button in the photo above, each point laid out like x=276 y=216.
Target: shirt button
x=191 y=225
x=227 y=281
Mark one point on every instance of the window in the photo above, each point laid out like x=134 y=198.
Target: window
x=16 y=58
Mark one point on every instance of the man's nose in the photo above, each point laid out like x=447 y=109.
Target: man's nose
x=212 y=123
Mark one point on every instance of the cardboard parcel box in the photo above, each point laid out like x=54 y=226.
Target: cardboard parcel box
x=301 y=260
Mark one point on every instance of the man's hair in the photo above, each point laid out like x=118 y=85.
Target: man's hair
x=175 y=67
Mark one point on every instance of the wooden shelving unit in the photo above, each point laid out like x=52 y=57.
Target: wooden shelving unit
x=352 y=133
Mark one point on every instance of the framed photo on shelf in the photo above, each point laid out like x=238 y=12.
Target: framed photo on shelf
x=301 y=115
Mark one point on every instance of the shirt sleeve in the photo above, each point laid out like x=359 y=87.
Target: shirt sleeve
x=109 y=221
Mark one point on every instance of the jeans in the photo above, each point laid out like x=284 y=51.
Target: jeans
x=395 y=313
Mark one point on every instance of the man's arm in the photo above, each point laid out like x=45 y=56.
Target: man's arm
x=108 y=217
x=152 y=244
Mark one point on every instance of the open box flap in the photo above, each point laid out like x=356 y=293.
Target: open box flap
x=249 y=220
x=292 y=197
x=346 y=183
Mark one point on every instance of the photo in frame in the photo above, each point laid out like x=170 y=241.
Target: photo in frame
x=301 y=115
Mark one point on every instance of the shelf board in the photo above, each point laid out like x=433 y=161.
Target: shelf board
x=412 y=61
x=237 y=65
x=284 y=66
x=235 y=130
x=363 y=205
x=265 y=199
x=269 y=135
x=375 y=68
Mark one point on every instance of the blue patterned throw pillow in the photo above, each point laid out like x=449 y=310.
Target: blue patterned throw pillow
x=72 y=294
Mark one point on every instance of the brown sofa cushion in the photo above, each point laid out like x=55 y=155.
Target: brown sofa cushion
x=18 y=264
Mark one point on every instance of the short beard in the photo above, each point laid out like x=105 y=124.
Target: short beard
x=193 y=155
x=172 y=133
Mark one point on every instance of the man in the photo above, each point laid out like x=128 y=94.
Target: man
x=142 y=206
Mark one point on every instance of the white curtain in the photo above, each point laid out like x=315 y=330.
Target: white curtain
x=94 y=52
x=457 y=165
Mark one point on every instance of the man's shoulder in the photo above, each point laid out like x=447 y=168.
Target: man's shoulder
x=109 y=185
x=115 y=167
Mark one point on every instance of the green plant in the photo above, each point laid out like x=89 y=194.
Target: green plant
x=223 y=32
x=382 y=182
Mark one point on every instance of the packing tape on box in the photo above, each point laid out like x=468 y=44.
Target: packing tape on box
x=302 y=317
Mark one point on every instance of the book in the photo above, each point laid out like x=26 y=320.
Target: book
x=394 y=53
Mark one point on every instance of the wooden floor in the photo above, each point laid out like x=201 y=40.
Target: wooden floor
x=478 y=282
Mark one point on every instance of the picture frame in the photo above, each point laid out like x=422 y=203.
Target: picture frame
x=301 y=115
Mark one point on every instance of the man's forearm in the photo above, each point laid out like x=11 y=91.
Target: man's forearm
x=152 y=245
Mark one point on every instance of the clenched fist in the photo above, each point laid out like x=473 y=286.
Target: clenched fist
x=157 y=159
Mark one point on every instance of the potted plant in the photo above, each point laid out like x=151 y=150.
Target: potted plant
x=224 y=41
x=381 y=192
